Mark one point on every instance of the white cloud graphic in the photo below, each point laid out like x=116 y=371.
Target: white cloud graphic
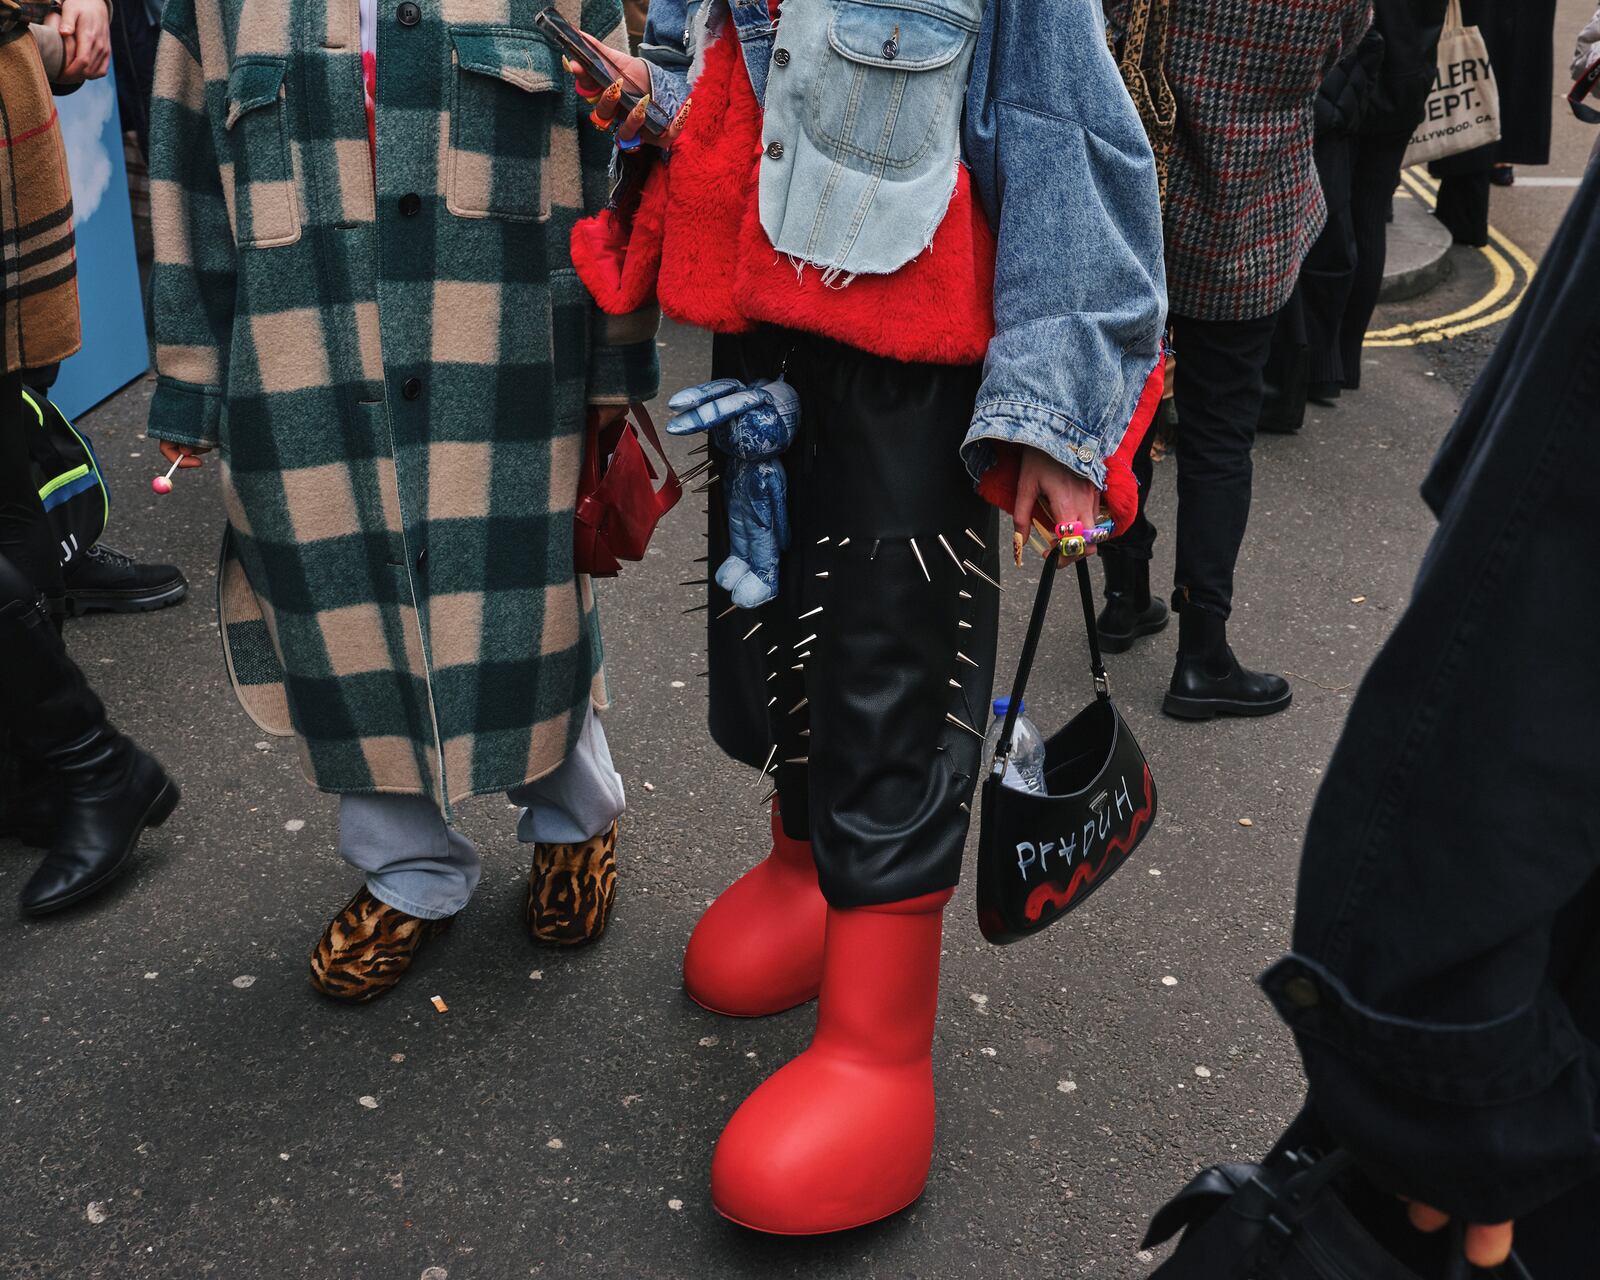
x=83 y=120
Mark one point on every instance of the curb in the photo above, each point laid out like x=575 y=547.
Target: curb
x=1419 y=251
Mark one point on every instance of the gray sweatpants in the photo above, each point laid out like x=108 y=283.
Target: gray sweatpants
x=419 y=864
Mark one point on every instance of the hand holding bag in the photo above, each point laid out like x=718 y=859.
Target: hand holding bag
x=1041 y=855
x=1463 y=108
x=1284 y=1221
x=619 y=503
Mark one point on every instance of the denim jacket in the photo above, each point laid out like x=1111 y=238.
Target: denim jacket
x=869 y=104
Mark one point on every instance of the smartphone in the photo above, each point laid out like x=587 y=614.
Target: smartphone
x=571 y=42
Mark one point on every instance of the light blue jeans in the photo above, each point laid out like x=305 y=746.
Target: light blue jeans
x=417 y=863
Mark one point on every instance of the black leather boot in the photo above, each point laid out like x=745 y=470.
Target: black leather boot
x=1208 y=680
x=1130 y=612
x=110 y=790
x=29 y=801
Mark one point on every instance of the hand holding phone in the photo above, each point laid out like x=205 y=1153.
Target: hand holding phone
x=617 y=83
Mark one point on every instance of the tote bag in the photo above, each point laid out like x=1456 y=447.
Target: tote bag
x=1463 y=108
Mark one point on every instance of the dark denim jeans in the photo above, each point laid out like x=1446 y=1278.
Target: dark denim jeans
x=1218 y=393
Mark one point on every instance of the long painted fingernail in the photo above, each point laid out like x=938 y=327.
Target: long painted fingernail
x=1018 y=541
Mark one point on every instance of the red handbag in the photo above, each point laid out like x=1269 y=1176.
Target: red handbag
x=619 y=501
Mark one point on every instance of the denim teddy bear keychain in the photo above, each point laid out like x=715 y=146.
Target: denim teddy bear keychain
x=751 y=425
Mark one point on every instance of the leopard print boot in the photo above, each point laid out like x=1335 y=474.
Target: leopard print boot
x=367 y=948
x=571 y=888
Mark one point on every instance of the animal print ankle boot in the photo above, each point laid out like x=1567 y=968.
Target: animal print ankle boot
x=571 y=888
x=367 y=948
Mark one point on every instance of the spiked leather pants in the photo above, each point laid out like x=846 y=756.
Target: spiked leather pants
x=854 y=684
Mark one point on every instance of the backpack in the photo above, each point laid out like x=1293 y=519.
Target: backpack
x=67 y=475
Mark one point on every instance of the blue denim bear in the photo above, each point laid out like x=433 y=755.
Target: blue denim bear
x=752 y=426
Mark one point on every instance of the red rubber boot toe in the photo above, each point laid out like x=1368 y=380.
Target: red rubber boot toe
x=843 y=1135
x=758 y=948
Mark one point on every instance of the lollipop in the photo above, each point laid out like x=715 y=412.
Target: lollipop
x=163 y=484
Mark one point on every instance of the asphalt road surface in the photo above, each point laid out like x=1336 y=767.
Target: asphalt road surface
x=178 y=1103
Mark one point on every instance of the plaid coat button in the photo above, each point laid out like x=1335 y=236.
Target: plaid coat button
x=411 y=388
x=410 y=204
x=409 y=14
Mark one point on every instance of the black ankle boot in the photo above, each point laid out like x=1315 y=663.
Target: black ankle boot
x=29 y=801
x=1129 y=612
x=1208 y=680
x=110 y=790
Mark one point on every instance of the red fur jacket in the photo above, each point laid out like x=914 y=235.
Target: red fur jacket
x=938 y=308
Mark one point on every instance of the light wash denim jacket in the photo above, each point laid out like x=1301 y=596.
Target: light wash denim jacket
x=863 y=128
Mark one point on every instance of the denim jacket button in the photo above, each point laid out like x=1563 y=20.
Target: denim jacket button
x=1302 y=993
x=775 y=151
x=780 y=57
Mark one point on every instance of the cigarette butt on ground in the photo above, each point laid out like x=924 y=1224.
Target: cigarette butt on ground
x=440 y=1005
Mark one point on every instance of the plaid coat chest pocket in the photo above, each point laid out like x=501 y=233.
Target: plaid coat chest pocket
x=263 y=203
x=503 y=102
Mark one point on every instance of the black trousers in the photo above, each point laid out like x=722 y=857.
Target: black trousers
x=1329 y=270
x=1375 y=164
x=843 y=683
x=25 y=537
x=1218 y=394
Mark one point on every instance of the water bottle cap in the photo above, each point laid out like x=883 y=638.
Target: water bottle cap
x=1003 y=705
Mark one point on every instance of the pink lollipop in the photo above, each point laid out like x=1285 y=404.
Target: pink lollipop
x=163 y=484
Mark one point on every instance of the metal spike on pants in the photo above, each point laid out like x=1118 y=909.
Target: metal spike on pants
x=767 y=799
x=772 y=651
x=961 y=657
x=693 y=582
x=701 y=560
x=696 y=608
x=980 y=573
x=951 y=551
x=772 y=677
x=963 y=625
x=701 y=675
x=806 y=641
x=966 y=808
x=962 y=724
x=977 y=539
x=799 y=666
x=965 y=595
x=921 y=563
x=955 y=684
x=708 y=484
x=822 y=539
x=771 y=700
x=766 y=767
x=694 y=472
x=875 y=544
x=730 y=609
x=805 y=733
x=823 y=574
x=752 y=631
x=798 y=760
x=796 y=706
x=812 y=614
x=844 y=542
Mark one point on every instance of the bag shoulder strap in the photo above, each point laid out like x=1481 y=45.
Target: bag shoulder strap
x=1030 y=647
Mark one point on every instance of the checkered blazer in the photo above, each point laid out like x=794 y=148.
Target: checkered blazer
x=395 y=379
x=1244 y=204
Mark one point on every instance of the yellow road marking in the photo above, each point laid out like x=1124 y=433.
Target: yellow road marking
x=1513 y=271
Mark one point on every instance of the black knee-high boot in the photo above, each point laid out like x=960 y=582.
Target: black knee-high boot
x=110 y=790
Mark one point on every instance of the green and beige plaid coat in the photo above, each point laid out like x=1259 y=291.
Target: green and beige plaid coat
x=395 y=379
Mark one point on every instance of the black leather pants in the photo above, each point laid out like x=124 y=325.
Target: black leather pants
x=844 y=683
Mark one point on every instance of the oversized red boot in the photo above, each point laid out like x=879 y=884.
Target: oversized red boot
x=843 y=1135
x=758 y=948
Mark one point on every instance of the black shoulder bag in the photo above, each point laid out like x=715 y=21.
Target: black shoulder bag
x=1040 y=855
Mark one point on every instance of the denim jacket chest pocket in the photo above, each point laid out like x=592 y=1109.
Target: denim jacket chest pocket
x=862 y=132
x=903 y=76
